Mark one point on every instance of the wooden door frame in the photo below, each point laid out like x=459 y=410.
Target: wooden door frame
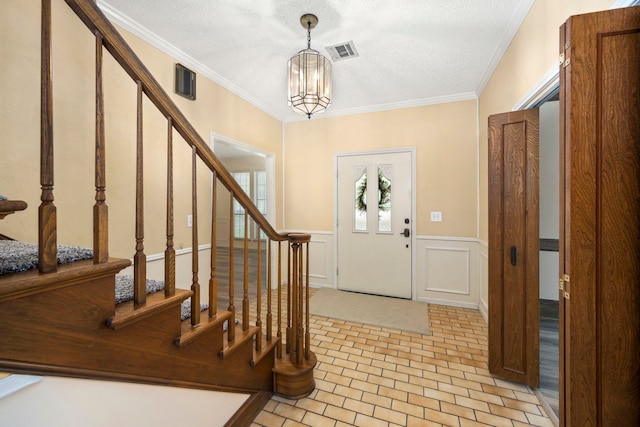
x=412 y=151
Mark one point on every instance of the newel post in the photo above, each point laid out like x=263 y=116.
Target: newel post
x=293 y=375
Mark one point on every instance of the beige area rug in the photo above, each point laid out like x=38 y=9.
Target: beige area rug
x=386 y=312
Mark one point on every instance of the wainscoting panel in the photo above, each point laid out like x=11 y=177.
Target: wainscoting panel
x=441 y=278
x=318 y=267
x=447 y=271
x=321 y=264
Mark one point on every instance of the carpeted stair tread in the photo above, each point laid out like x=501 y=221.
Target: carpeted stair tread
x=127 y=314
x=124 y=292
x=18 y=256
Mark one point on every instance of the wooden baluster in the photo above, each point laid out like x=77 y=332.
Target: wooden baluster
x=195 y=286
x=100 y=209
x=139 y=259
x=213 y=280
x=169 y=253
x=299 y=288
x=259 y=296
x=269 y=314
x=307 y=337
x=231 y=331
x=289 y=330
x=279 y=314
x=292 y=297
x=293 y=347
x=47 y=216
x=245 y=284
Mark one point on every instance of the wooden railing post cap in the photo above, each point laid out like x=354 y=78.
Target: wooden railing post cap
x=299 y=238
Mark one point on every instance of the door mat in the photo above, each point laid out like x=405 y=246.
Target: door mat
x=386 y=312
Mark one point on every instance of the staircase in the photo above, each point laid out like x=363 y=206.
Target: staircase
x=63 y=319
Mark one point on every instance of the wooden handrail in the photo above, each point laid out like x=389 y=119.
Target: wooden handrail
x=95 y=20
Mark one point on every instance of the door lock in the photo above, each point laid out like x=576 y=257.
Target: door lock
x=406 y=232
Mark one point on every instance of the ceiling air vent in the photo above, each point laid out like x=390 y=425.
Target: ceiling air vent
x=342 y=51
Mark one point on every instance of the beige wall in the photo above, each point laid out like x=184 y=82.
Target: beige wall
x=215 y=110
x=445 y=138
x=533 y=51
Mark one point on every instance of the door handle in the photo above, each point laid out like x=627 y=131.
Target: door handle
x=406 y=232
x=514 y=255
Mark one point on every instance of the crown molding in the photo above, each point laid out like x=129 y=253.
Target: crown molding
x=468 y=96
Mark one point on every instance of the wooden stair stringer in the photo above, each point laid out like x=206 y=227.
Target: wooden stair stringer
x=267 y=352
x=63 y=331
x=240 y=343
x=191 y=333
x=31 y=282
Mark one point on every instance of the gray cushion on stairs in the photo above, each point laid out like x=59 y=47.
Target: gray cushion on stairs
x=20 y=256
x=124 y=292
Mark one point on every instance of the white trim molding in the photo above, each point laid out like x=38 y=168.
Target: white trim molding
x=448 y=270
x=447 y=278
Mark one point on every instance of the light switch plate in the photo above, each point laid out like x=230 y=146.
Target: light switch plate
x=436 y=216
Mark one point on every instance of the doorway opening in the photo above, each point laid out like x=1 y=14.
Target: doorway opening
x=547 y=101
x=253 y=168
x=549 y=254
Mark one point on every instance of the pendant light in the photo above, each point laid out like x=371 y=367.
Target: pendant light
x=309 y=76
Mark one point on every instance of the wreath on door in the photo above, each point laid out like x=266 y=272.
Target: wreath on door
x=384 y=194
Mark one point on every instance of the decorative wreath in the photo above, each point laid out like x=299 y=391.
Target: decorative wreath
x=384 y=194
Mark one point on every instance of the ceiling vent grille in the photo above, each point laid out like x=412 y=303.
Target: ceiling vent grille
x=342 y=51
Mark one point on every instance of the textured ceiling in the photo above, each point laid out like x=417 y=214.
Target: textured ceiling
x=411 y=52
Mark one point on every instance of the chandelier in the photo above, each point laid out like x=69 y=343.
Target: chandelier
x=309 y=76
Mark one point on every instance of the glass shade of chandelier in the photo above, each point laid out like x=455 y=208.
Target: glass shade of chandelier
x=309 y=76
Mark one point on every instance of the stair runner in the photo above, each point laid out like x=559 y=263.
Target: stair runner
x=124 y=292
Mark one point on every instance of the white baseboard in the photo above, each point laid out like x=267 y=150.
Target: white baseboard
x=452 y=303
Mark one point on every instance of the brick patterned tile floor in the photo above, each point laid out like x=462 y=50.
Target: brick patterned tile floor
x=371 y=376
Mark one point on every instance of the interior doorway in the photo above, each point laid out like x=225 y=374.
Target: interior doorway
x=549 y=254
x=545 y=99
x=244 y=159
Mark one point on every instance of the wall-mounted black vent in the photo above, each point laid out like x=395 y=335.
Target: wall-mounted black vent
x=185 y=82
x=342 y=51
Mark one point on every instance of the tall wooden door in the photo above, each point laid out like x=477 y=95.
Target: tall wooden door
x=600 y=219
x=514 y=246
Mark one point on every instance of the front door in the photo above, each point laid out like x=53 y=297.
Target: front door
x=514 y=246
x=374 y=223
